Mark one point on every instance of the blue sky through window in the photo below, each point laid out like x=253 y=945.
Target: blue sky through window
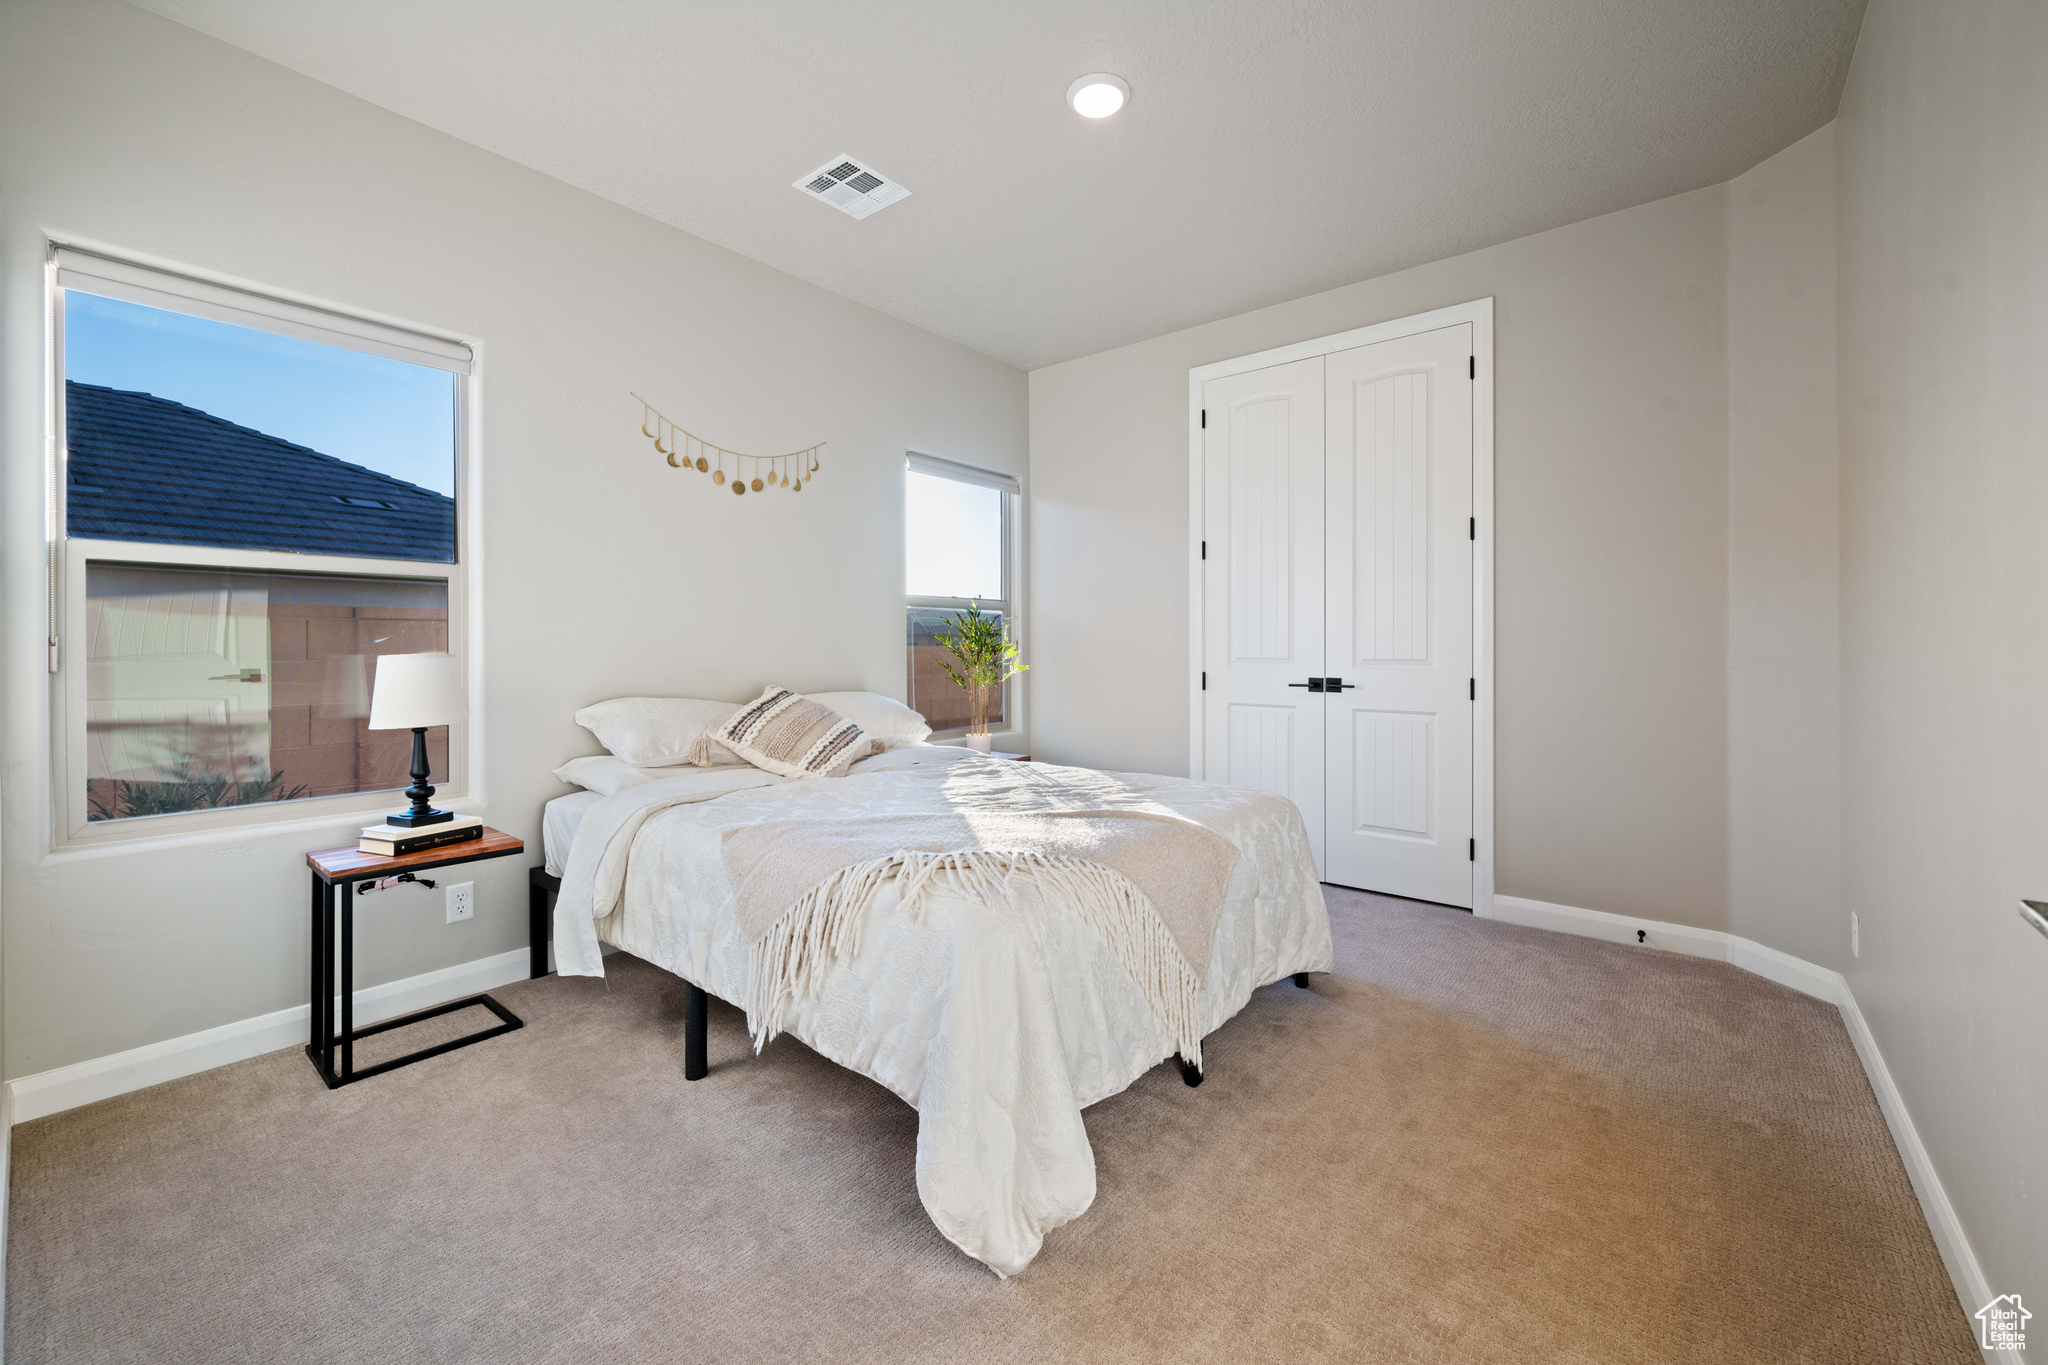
x=386 y=415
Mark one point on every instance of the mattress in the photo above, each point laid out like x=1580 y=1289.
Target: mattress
x=558 y=821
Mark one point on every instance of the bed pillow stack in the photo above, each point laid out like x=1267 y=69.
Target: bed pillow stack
x=793 y=735
x=655 y=737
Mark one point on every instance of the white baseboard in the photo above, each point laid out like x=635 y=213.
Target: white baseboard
x=1569 y=919
x=1972 y=1287
x=6 y=1181
x=1823 y=983
x=67 y=1087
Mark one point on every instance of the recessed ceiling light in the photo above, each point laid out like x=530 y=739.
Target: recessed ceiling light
x=1099 y=95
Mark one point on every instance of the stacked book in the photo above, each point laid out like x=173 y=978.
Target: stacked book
x=395 y=841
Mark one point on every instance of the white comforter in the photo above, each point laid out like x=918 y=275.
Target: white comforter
x=999 y=1027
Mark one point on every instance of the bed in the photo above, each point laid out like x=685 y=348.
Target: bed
x=998 y=1013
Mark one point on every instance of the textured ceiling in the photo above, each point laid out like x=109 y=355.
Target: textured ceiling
x=1272 y=148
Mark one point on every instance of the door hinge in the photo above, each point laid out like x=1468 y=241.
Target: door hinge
x=1475 y=689
x=1473 y=534
x=1473 y=373
x=1205 y=419
x=1205 y=549
x=1205 y=680
x=1472 y=850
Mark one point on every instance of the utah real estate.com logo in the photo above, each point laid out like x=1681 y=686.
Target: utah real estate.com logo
x=2002 y=1324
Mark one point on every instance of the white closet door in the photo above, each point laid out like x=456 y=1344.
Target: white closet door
x=1399 y=738
x=1263 y=584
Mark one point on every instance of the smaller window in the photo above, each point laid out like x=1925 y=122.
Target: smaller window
x=957 y=522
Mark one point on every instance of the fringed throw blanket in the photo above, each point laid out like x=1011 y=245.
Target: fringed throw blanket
x=1150 y=881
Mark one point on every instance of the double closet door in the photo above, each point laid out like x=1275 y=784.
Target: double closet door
x=1337 y=582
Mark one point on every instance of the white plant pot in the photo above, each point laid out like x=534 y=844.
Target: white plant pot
x=981 y=744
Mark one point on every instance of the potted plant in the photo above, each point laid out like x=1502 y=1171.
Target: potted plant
x=988 y=659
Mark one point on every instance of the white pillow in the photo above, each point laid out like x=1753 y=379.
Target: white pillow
x=606 y=773
x=887 y=721
x=653 y=731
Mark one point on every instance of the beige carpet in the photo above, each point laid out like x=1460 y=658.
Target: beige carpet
x=1474 y=1143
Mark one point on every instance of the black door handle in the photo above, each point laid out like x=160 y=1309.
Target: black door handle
x=1336 y=684
x=1313 y=684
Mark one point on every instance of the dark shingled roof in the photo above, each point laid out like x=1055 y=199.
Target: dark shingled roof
x=146 y=468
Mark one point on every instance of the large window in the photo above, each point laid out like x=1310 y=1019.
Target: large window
x=251 y=501
x=957 y=522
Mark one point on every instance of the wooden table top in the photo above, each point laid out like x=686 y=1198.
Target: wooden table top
x=347 y=864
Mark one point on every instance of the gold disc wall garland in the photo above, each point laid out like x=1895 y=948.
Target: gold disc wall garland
x=756 y=472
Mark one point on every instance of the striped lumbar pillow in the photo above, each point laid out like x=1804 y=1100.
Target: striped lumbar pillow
x=790 y=734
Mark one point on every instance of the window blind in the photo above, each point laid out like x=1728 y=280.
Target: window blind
x=110 y=278
x=963 y=473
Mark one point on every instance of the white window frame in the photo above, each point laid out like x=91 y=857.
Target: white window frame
x=156 y=287
x=1012 y=490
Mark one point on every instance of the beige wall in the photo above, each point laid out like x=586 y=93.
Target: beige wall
x=1784 y=639
x=1612 y=510
x=1944 y=425
x=602 y=571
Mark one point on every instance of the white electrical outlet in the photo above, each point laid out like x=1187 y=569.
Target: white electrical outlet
x=1855 y=936
x=461 y=901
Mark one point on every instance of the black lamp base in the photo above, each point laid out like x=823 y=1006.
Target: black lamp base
x=414 y=819
x=421 y=812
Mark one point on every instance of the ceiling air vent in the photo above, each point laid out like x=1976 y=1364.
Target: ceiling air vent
x=852 y=188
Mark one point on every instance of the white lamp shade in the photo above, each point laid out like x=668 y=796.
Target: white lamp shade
x=417 y=690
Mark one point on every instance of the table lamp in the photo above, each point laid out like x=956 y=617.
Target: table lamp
x=413 y=692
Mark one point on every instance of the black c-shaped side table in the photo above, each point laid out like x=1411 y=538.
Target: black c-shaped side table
x=338 y=870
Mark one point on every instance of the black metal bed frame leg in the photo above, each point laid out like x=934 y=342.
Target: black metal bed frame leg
x=541 y=889
x=1301 y=980
x=1189 y=1072
x=696 y=1065
x=539 y=905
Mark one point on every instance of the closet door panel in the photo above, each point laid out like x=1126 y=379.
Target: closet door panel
x=1263 y=584
x=1399 y=616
